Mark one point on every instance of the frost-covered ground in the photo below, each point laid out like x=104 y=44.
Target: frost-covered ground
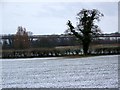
x=91 y=72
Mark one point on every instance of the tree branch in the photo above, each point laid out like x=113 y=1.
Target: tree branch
x=73 y=31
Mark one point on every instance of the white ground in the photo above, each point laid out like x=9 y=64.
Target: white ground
x=92 y=72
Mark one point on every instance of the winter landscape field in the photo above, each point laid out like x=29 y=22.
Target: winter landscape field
x=59 y=72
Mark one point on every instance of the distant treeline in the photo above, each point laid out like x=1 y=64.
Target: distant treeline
x=21 y=45
x=50 y=41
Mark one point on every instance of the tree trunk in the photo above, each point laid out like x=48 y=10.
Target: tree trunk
x=85 y=48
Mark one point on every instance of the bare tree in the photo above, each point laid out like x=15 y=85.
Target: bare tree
x=21 y=39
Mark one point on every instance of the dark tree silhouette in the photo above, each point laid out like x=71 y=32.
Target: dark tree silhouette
x=86 y=28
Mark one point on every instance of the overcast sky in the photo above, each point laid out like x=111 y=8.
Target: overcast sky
x=51 y=17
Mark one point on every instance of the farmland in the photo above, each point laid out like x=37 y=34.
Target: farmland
x=58 y=72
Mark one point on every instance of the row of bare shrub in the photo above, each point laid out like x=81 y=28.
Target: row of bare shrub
x=55 y=52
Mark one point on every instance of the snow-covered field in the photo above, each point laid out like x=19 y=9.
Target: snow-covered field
x=91 y=72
